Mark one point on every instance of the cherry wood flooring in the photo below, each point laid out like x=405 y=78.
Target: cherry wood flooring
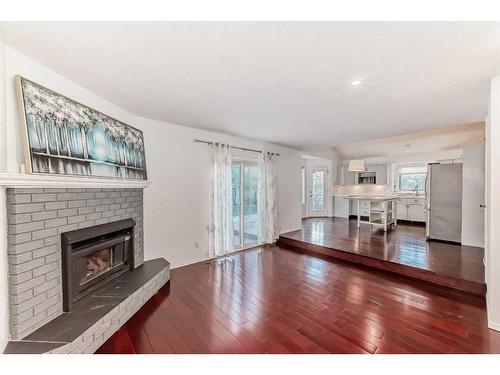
x=273 y=300
x=403 y=249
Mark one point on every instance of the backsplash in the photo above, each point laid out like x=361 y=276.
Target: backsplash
x=362 y=189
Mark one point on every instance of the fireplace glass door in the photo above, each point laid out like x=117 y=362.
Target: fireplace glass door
x=95 y=263
x=101 y=262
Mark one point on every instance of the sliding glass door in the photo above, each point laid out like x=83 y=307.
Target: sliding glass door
x=245 y=180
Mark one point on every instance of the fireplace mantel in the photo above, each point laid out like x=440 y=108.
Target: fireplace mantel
x=24 y=180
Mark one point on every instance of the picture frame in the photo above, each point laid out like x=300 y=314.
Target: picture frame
x=63 y=137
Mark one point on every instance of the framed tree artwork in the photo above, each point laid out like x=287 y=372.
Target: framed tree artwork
x=64 y=137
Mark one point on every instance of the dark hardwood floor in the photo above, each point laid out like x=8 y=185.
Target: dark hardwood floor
x=273 y=300
x=403 y=250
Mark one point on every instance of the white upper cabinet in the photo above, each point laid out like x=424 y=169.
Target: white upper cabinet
x=340 y=175
x=344 y=177
x=382 y=174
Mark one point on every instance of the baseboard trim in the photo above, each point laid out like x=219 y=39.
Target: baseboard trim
x=495 y=326
x=291 y=230
x=189 y=262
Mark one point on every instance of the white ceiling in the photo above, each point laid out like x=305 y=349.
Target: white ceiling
x=283 y=82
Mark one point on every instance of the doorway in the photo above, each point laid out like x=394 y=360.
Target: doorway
x=245 y=182
x=318 y=192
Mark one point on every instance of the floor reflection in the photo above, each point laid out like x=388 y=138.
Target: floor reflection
x=317 y=233
x=406 y=244
x=272 y=300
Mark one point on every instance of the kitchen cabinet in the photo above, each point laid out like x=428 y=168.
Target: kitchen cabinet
x=381 y=170
x=340 y=207
x=417 y=213
x=340 y=175
x=344 y=177
x=401 y=211
x=350 y=178
x=411 y=209
x=374 y=210
x=364 y=208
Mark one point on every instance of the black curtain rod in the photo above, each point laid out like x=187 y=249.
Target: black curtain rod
x=239 y=148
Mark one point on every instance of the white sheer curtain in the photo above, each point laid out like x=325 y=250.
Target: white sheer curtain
x=267 y=201
x=221 y=228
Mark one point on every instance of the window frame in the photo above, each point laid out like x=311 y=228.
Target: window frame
x=401 y=174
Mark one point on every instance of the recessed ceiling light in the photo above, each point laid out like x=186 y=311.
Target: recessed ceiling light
x=356 y=83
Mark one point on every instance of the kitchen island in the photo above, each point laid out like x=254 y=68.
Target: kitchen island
x=381 y=209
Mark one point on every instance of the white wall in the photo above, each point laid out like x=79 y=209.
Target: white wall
x=177 y=202
x=328 y=154
x=492 y=250
x=17 y=63
x=473 y=195
x=176 y=205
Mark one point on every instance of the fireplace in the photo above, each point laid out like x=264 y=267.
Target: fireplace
x=93 y=256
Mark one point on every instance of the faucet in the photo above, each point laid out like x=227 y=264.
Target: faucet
x=416 y=190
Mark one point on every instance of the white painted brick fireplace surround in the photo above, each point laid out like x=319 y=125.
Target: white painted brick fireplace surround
x=37 y=210
x=36 y=219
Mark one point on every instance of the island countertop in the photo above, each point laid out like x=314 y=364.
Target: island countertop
x=372 y=197
x=380 y=209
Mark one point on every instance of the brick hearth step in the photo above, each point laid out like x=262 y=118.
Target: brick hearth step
x=97 y=316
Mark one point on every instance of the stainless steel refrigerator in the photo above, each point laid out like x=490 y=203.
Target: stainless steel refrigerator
x=444 y=202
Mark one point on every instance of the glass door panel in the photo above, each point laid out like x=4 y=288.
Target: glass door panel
x=245 y=181
x=318 y=195
x=236 y=184
x=250 y=213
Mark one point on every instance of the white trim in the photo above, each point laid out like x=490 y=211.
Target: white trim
x=245 y=247
x=291 y=230
x=495 y=326
x=207 y=258
x=189 y=262
x=33 y=180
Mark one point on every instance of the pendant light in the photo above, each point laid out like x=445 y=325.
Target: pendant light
x=356 y=166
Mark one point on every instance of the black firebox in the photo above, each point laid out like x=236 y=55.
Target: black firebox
x=93 y=256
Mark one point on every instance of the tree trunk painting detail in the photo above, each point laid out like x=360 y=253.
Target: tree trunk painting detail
x=66 y=137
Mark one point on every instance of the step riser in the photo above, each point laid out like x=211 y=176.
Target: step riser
x=400 y=269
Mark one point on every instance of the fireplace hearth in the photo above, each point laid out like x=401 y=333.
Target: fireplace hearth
x=93 y=256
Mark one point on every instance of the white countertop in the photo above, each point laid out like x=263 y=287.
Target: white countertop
x=372 y=197
x=410 y=196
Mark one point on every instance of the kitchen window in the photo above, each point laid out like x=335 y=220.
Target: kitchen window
x=412 y=178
